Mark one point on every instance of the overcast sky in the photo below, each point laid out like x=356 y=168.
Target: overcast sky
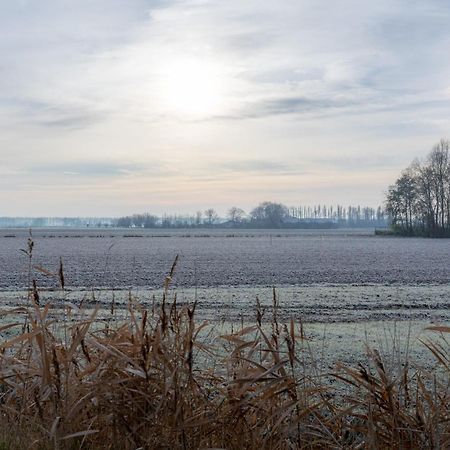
x=109 y=107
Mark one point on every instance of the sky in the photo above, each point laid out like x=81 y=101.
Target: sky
x=111 y=107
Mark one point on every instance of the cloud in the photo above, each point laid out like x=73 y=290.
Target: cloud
x=89 y=60
x=41 y=114
x=100 y=169
x=88 y=169
x=290 y=105
x=257 y=166
x=305 y=87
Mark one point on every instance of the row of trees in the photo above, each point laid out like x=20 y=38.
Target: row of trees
x=266 y=215
x=419 y=201
x=341 y=214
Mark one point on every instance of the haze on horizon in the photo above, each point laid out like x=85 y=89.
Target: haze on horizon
x=109 y=107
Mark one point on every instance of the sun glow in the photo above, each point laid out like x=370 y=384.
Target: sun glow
x=192 y=88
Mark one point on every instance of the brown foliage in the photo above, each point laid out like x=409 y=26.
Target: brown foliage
x=158 y=380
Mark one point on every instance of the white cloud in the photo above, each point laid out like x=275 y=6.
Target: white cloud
x=202 y=85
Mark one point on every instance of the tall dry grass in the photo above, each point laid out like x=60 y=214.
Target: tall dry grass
x=160 y=380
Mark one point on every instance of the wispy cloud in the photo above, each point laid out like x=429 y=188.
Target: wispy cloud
x=257 y=166
x=320 y=89
x=89 y=169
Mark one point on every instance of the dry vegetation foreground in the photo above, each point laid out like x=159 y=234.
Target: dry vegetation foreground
x=157 y=380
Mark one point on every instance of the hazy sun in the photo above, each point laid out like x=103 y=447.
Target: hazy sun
x=192 y=88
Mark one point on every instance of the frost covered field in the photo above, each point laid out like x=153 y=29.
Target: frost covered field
x=326 y=278
x=320 y=275
x=211 y=258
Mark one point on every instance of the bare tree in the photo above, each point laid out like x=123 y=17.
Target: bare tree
x=236 y=215
x=401 y=200
x=420 y=198
x=198 y=218
x=211 y=216
x=438 y=161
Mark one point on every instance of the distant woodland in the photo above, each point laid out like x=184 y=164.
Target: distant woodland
x=266 y=215
x=419 y=201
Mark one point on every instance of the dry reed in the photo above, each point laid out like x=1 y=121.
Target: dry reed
x=157 y=381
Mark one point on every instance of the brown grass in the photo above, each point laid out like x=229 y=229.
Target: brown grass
x=159 y=380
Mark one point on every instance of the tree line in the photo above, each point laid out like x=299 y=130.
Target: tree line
x=265 y=215
x=418 y=203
